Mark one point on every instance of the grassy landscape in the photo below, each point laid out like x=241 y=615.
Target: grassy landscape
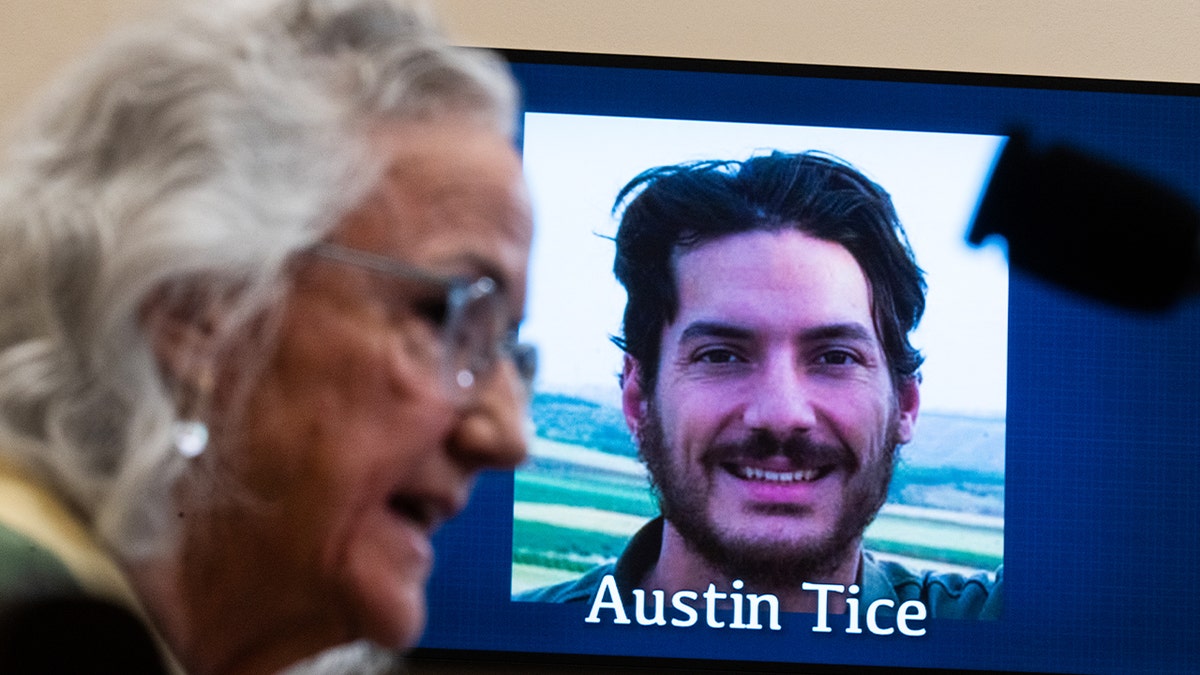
x=583 y=493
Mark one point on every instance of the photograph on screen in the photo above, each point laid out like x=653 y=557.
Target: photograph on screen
x=586 y=490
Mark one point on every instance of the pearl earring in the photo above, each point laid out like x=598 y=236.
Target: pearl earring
x=190 y=437
x=188 y=433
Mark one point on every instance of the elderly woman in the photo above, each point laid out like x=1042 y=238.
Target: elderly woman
x=261 y=273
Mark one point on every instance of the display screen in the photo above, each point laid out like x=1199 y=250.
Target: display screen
x=1054 y=453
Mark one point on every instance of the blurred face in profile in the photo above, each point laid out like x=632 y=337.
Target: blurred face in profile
x=771 y=430
x=355 y=443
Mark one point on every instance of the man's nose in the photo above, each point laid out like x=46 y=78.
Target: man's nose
x=492 y=431
x=780 y=399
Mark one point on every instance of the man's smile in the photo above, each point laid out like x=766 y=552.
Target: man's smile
x=768 y=476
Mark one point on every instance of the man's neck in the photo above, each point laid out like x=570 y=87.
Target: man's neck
x=680 y=567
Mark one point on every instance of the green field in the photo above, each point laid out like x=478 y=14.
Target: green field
x=583 y=493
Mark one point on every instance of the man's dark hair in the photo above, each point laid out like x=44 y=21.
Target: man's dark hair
x=676 y=208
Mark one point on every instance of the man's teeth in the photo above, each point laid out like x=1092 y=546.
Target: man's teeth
x=751 y=473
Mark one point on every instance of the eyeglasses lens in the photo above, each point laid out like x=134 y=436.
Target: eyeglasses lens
x=479 y=336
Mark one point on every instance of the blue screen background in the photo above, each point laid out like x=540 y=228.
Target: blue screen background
x=1103 y=441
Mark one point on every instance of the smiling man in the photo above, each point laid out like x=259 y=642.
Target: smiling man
x=769 y=383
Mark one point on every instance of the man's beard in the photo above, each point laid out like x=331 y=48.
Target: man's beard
x=769 y=564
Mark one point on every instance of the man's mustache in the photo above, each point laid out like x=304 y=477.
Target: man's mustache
x=800 y=450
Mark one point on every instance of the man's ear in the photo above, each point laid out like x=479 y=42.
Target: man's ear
x=633 y=400
x=908 y=403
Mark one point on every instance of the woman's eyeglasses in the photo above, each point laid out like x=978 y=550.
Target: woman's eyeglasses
x=473 y=319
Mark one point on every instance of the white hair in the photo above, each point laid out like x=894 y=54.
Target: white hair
x=354 y=658
x=211 y=143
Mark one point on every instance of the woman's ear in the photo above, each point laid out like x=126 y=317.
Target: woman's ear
x=183 y=328
x=188 y=325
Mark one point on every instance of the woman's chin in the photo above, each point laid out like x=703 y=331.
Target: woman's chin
x=392 y=612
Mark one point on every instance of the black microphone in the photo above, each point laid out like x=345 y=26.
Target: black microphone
x=1091 y=226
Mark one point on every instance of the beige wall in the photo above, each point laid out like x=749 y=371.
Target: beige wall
x=1125 y=39
x=38 y=36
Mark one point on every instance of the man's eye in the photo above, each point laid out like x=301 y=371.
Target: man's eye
x=717 y=356
x=836 y=358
